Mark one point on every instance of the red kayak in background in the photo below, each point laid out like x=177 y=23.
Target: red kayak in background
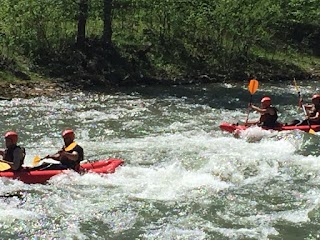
x=28 y=175
x=235 y=127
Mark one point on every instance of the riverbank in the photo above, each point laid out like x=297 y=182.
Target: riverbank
x=52 y=87
x=34 y=85
x=30 y=89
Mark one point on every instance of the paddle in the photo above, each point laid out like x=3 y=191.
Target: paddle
x=252 y=87
x=297 y=89
x=36 y=160
x=303 y=107
x=305 y=113
x=4 y=166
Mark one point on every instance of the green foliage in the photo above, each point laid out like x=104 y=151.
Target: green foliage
x=188 y=35
x=36 y=24
x=302 y=11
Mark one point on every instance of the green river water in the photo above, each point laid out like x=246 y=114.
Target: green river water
x=183 y=178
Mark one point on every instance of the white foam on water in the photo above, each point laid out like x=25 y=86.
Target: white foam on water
x=176 y=158
x=256 y=133
x=169 y=183
x=242 y=233
x=169 y=231
x=10 y=213
x=74 y=178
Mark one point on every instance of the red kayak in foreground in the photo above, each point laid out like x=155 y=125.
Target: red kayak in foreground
x=41 y=176
x=234 y=127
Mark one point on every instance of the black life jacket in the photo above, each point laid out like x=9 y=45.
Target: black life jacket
x=73 y=164
x=268 y=120
x=8 y=155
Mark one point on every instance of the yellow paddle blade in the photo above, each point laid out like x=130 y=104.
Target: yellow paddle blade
x=296 y=85
x=253 y=86
x=36 y=160
x=312 y=131
x=4 y=166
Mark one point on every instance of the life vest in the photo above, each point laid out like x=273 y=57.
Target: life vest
x=69 y=163
x=8 y=155
x=268 y=120
x=312 y=113
x=314 y=110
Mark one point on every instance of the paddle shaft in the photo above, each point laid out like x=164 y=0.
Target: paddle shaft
x=250 y=102
x=305 y=113
x=303 y=107
x=253 y=86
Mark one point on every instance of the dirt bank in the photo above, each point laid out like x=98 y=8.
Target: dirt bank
x=29 y=89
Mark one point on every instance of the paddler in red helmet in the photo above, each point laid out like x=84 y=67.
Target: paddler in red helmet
x=268 y=114
x=70 y=155
x=312 y=111
x=13 y=155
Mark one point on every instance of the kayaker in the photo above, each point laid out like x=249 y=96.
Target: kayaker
x=13 y=154
x=70 y=155
x=312 y=111
x=268 y=114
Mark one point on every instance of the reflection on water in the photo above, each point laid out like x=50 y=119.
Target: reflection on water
x=183 y=177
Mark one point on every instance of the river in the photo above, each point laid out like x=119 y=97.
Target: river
x=183 y=178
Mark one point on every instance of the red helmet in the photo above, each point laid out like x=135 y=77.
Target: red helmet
x=265 y=99
x=68 y=132
x=12 y=135
x=316 y=96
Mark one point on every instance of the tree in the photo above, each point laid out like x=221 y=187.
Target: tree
x=107 y=27
x=82 y=20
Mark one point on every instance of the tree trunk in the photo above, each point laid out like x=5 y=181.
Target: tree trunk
x=82 y=20
x=107 y=27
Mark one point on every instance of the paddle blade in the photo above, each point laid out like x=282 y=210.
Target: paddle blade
x=36 y=160
x=312 y=131
x=296 y=86
x=4 y=166
x=253 y=86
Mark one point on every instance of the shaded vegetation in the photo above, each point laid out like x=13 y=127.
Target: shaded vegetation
x=120 y=42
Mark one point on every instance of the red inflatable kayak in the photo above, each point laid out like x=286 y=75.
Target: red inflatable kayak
x=41 y=176
x=234 y=127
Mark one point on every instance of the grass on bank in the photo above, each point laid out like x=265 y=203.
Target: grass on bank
x=284 y=64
